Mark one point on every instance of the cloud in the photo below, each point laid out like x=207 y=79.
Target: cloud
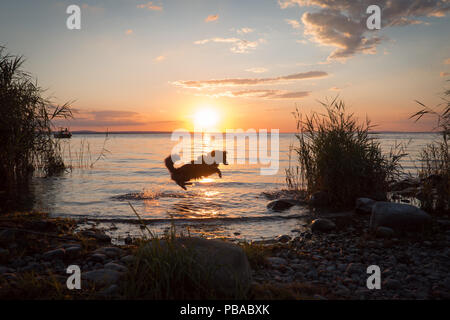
x=213 y=17
x=342 y=23
x=340 y=88
x=238 y=45
x=261 y=94
x=199 y=84
x=159 y=58
x=445 y=74
x=244 y=30
x=106 y=118
x=129 y=32
x=293 y=23
x=256 y=70
x=150 y=6
x=84 y=118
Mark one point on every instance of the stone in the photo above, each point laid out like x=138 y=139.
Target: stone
x=102 y=277
x=54 y=254
x=98 y=257
x=322 y=225
x=116 y=266
x=364 y=205
x=225 y=262
x=73 y=251
x=283 y=238
x=98 y=235
x=398 y=216
x=280 y=205
x=276 y=261
x=384 y=232
x=128 y=259
x=355 y=268
x=128 y=240
x=111 y=252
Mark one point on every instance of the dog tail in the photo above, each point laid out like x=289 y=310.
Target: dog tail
x=169 y=164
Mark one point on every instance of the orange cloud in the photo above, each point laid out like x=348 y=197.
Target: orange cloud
x=150 y=6
x=238 y=45
x=256 y=70
x=293 y=23
x=198 y=84
x=213 y=17
x=160 y=58
x=261 y=94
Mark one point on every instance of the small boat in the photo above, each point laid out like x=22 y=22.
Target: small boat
x=63 y=134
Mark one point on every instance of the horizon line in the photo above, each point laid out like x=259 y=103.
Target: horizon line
x=168 y=132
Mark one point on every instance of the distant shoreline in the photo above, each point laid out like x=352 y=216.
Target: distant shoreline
x=169 y=132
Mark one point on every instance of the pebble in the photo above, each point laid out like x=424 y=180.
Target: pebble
x=54 y=254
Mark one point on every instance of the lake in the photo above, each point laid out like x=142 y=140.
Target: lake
x=133 y=171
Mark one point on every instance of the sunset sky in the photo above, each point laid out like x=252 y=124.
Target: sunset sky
x=139 y=65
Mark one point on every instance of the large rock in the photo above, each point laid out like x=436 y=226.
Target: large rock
x=280 y=205
x=225 y=262
x=398 y=216
x=322 y=225
x=364 y=205
x=384 y=232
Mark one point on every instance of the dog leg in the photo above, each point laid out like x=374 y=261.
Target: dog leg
x=181 y=184
x=219 y=172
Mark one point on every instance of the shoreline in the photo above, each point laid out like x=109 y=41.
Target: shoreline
x=312 y=265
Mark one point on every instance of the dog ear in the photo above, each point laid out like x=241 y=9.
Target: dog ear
x=213 y=153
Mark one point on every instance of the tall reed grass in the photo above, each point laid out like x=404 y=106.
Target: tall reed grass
x=26 y=123
x=336 y=155
x=434 y=171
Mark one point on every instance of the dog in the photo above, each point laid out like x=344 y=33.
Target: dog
x=203 y=167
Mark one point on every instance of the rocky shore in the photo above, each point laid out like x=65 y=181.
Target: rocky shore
x=333 y=265
x=329 y=261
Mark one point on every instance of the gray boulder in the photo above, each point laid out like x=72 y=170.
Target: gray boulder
x=364 y=205
x=225 y=263
x=322 y=225
x=398 y=216
x=384 y=232
x=280 y=205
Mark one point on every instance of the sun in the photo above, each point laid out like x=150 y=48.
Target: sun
x=206 y=118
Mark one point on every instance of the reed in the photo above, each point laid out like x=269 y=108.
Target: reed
x=26 y=123
x=434 y=170
x=337 y=155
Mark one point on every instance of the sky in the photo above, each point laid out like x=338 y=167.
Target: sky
x=160 y=65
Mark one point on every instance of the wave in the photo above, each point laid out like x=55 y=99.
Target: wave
x=221 y=220
x=152 y=195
